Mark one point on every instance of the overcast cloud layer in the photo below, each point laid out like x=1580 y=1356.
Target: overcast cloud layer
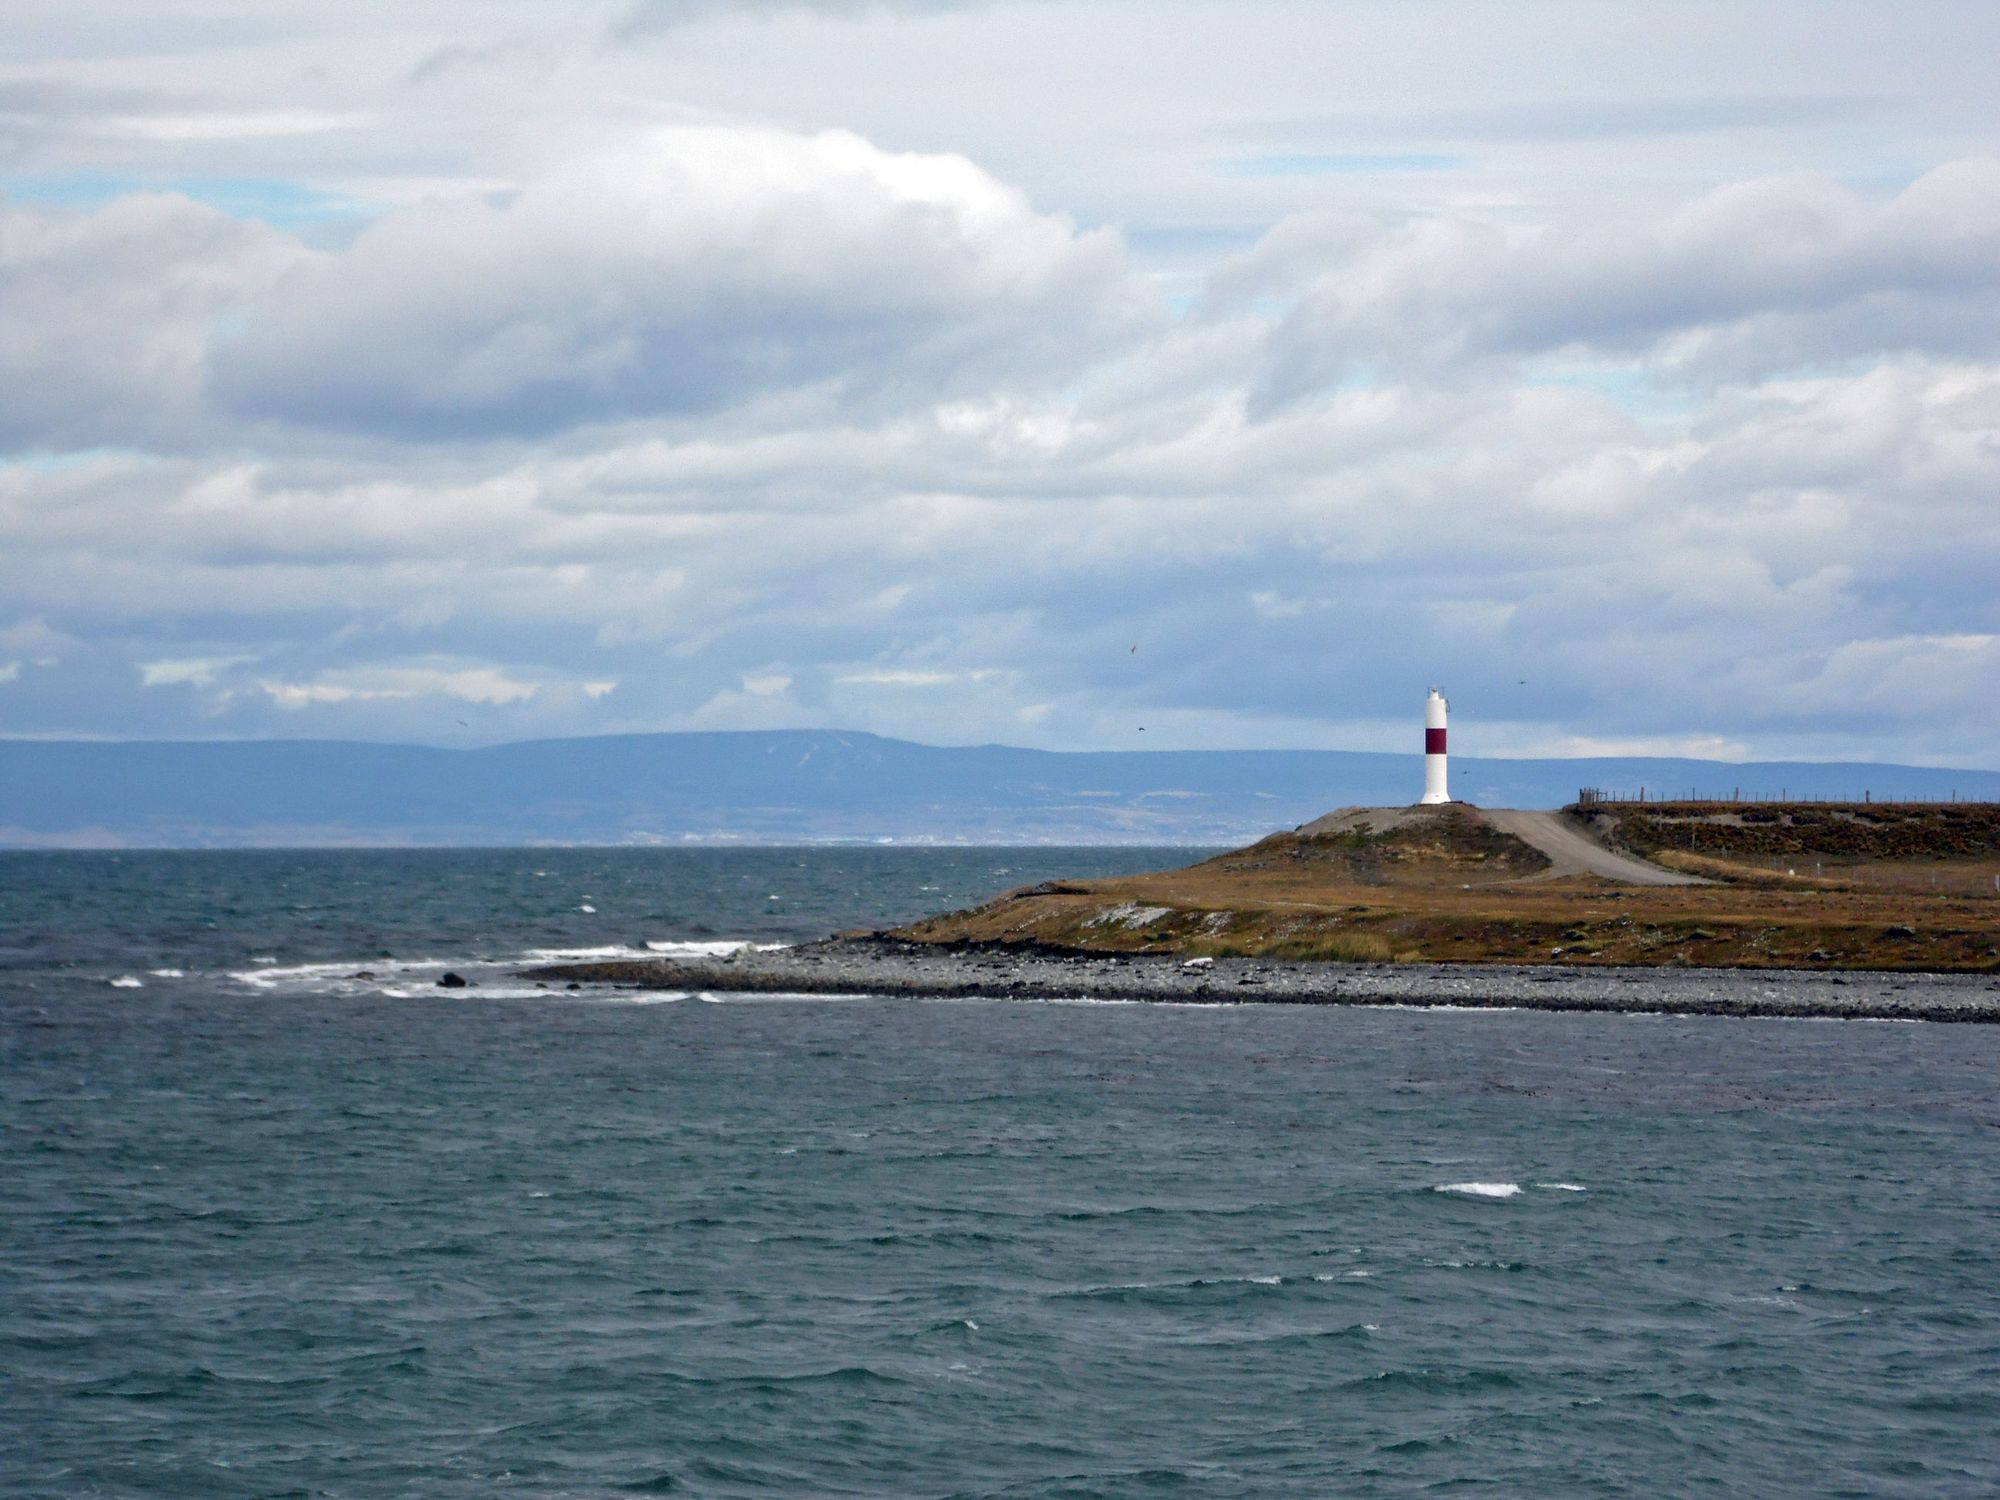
x=1078 y=373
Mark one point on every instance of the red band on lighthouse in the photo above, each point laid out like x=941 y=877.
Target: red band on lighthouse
x=1436 y=789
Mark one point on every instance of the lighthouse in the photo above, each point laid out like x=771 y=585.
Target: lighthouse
x=1435 y=709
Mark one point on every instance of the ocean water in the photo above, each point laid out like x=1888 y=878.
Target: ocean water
x=272 y=1230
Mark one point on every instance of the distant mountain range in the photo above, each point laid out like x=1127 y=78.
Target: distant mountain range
x=795 y=786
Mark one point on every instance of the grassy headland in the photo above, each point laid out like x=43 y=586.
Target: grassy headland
x=1856 y=886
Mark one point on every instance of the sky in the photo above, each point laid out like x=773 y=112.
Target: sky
x=1084 y=374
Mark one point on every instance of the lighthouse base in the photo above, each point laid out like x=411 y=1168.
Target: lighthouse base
x=1432 y=799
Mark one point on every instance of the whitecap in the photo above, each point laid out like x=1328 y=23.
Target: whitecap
x=589 y=908
x=1264 y=1280
x=1480 y=1189
x=1563 y=1187
x=653 y=946
x=127 y=982
x=344 y=972
x=168 y=973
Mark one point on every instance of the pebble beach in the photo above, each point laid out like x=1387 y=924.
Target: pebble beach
x=885 y=966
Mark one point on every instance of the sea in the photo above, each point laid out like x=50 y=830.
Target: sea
x=282 y=1217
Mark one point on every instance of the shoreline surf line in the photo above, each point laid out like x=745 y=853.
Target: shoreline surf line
x=891 y=968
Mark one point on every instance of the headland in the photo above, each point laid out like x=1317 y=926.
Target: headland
x=1889 y=910
x=1695 y=884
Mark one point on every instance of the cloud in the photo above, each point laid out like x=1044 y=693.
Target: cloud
x=645 y=18
x=718 y=424
x=685 y=270
x=472 y=685
x=1281 y=578
x=10 y=671
x=230 y=126
x=1577 y=119
x=1692 y=747
x=197 y=671
x=1908 y=677
x=36 y=113
x=1752 y=279
x=907 y=678
x=107 y=318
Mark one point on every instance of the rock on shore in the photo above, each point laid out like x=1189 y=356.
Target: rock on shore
x=883 y=966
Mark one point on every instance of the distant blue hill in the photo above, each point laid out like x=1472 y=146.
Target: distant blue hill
x=795 y=786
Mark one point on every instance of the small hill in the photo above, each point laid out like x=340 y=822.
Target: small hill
x=1389 y=846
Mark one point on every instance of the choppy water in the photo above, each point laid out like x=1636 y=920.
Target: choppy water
x=270 y=1230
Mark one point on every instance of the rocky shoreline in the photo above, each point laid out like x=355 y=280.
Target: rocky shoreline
x=886 y=966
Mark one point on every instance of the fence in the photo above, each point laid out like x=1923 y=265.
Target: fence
x=1591 y=796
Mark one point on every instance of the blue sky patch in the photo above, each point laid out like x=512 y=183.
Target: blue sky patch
x=286 y=205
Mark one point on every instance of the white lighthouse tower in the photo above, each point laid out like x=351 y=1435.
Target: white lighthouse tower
x=1435 y=709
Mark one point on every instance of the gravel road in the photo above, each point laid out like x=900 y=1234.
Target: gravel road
x=1571 y=852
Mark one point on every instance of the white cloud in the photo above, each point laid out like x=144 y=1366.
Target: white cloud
x=107 y=318
x=1751 y=279
x=10 y=671
x=1283 y=574
x=1691 y=746
x=908 y=678
x=230 y=126
x=683 y=269
x=1910 y=677
x=197 y=671
x=485 y=685
x=1647 y=419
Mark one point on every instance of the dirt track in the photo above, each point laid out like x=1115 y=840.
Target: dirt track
x=1572 y=852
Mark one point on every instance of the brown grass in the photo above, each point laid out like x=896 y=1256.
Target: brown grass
x=1264 y=901
x=1775 y=831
